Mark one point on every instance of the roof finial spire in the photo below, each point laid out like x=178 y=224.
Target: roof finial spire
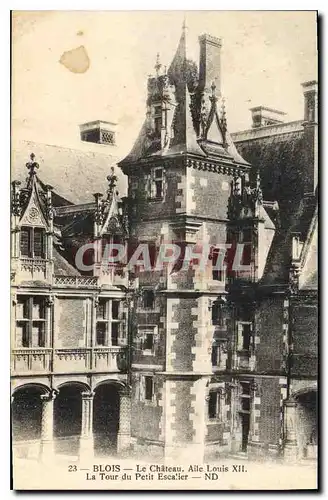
x=32 y=167
x=184 y=25
x=158 y=64
x=112 y=180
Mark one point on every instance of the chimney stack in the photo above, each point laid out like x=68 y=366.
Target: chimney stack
x=310 y=150
x=99 y=132
x=310 y=91
x=210 y=63
x=264 y=117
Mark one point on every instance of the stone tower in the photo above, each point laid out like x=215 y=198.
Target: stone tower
x=180 y=175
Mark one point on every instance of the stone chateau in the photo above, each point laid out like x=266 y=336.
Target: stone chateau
x=169 y=364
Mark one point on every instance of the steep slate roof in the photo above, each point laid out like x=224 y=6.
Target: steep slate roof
x=61 y=266
x=278 y=153
x=75 y=174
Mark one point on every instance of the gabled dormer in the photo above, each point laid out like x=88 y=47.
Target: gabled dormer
x=110 y=228
x=32 y=227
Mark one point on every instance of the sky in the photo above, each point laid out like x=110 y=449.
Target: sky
x=266 y=55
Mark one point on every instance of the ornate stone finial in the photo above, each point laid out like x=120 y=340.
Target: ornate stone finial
x=223 y=113
x=213 y=88
x=32 y=165
x=98 y=211
x=112 y=180
x=158 y=64
x=223 y=121
x=16 y=206
x=49 y=208
x=203 y=117
x=184 y=25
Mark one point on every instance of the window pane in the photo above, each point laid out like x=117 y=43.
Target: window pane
x=247 y=254
x=115 y=327
x=246 y=337
x=246 y=388
x=216 y=314
x=218 y=275
x=115 y=309
x=101 y=309
x=245 y=404
x=148 y=299
x=38 y=337
x=22 y=334
x=149 y=388
x=214 y=356
x=38 y=308
x=158 y=189
x=101 y=334
x=22 y=308
x=25 y=242
x=148 y=342
x=38 y=242
x=158 y=173
x=212 y=405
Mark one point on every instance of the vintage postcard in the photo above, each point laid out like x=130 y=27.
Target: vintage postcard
x=164 y=220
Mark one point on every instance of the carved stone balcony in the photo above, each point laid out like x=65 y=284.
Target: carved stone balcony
x=31 y=360
x=28 y=361
x=27 y=269
x=112 y=275
x=72 y=360
x=108 y=359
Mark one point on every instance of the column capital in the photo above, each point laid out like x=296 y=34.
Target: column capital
x=291 y=403
x=49 y=396
x=87 y=395
x=125 y=391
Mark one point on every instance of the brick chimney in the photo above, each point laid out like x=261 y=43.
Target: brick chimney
x=99 y=132
x=310 y=150
x=310 y=91
x=210 y=63
x=264 y=117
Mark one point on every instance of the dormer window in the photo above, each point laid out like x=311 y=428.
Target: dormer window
x=158 y=119
x=32 y=242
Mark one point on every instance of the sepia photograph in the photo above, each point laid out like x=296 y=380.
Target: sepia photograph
x=164 y=267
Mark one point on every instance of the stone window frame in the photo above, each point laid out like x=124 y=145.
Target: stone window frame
x=153 y=181
x=217 y=417
x=108 y=320
x=146 y=290
x=221 y=348
x=142 y=389
x=31 y=242
x=28 y=320
x=241 y=338
x=144 y=330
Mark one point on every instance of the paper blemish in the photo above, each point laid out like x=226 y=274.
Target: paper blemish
x=76 y=60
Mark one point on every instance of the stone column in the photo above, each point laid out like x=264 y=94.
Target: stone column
x=86 y=439
x=290 y=441
x=124 y=433
x=47 y=424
